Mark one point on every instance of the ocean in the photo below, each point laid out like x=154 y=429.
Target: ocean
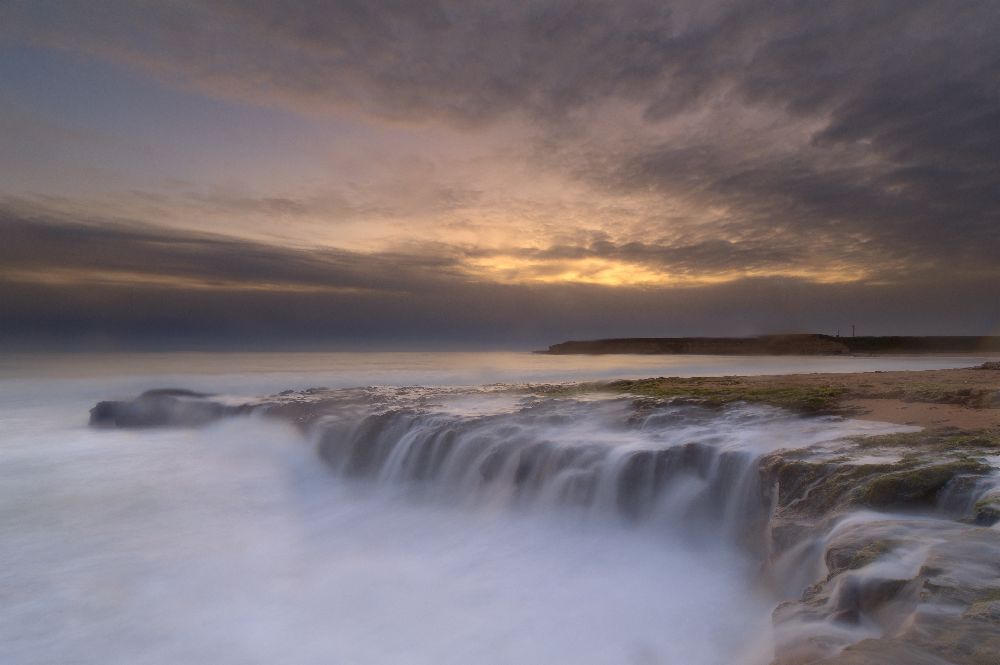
x=485 y=527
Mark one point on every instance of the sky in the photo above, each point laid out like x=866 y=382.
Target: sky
x=488 y=173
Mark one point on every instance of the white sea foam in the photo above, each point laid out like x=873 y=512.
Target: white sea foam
x=232 y=545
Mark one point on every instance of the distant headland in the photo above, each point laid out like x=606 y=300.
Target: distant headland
x=776 y=345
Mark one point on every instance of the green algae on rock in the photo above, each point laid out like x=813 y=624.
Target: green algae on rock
x=916 y=486
x=719 y=392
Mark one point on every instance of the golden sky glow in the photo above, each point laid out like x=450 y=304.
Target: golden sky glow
x=604 y=272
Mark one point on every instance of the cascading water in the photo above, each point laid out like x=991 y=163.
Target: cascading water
x=671 y=467
x=688 y=474
x=598 y=457
x=465 y=538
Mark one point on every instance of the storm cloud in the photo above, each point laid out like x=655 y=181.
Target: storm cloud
x=645 y=162
x=108 y=286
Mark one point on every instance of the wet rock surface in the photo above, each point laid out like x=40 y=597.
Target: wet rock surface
x=903 y=566
x=919 y=587
x=162 y=408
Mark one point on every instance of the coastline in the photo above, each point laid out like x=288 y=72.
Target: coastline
x=808 y=344
x=876 y=547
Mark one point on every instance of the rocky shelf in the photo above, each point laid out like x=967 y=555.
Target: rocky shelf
x=878 y=549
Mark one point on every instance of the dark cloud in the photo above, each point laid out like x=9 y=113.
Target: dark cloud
x=467 y=61
x=476 y=59
x=41 y=245
x=862 y=134
x=337 y=298
x=909 y=215
x=903 y=95
x=484 y=315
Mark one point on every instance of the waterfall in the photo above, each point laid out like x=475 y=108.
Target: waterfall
x=604 y=459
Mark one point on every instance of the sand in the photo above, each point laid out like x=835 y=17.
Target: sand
x=924 y=414
x=967 y=399
x=930 y=398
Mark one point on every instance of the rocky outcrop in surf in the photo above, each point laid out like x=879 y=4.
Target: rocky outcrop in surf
x=896 y=590
x=165 y=407
x=885 y=559
x=878 y=548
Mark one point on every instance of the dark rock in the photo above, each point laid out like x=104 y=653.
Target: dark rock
x=987 y=513
x=162 y=408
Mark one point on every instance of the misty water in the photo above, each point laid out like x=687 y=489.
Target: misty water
x=247 y=542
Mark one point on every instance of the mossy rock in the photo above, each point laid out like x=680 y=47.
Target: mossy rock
x=719 y=392
x=986 y=610
x=942 y=440
x=918 y=486
x=810 y=488
x=987 y=510
x=817 y=488
x=851 y=558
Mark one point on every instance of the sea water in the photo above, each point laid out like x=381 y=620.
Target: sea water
x=237 y=543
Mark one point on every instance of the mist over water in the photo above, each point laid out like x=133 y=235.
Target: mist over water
x=232 y=545
x=236 y=544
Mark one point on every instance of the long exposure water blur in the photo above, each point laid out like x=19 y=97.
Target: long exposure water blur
x=235 y=543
